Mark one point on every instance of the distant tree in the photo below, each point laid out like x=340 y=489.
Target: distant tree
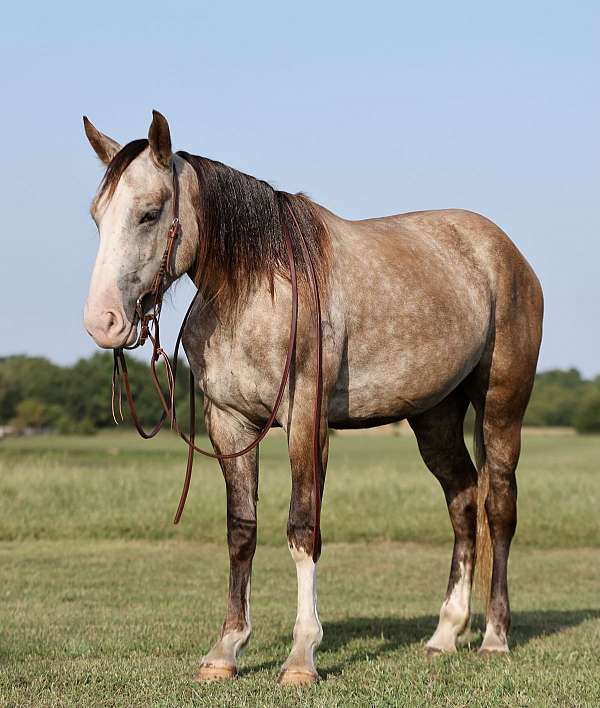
x=67 y=426
x=10 y=395
x=34 y=377
x=36 y=393
x=555 y=398
x=31 y=413
x=87 y=389
x=587 y=419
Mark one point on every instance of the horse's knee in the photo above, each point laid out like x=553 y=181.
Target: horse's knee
x=241 y=539
x=462 y=507
x=300 y=539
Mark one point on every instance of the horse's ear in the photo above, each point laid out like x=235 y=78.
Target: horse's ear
x=159 y=137
x=106 y=148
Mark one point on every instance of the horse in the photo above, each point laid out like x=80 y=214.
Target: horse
x=423 y=313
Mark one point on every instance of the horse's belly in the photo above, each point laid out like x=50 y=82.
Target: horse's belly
x=404 y=378
x=378 y=397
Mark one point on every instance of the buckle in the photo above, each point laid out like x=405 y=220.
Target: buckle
x=174 y=228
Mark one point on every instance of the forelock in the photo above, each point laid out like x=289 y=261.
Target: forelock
x=118 y=165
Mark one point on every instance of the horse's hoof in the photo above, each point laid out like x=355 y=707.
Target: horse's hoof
x=433 y=652
x=484 y=653
x=214 y=673
x=291 y=677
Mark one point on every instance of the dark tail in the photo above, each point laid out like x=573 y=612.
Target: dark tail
x=483 y=543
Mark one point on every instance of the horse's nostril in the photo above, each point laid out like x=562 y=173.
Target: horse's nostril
x=113 y=322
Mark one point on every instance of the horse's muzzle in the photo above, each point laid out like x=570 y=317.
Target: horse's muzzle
x=109 y=328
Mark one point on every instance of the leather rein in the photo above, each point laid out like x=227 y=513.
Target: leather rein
x=150 y=329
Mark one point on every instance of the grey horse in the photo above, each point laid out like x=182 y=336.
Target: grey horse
x=423 y=313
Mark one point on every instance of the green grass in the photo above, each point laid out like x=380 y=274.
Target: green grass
x=115 y=485
x=104 y=602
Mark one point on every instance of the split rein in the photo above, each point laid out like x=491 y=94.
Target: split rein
x=149 y=329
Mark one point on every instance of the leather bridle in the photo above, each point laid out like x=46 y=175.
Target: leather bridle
x=149 y=329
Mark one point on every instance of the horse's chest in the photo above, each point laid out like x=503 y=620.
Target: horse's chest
x=231 y=376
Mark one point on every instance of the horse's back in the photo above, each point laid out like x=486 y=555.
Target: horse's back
x=462 y=234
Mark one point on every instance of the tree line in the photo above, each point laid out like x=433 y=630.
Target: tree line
x=38 y=394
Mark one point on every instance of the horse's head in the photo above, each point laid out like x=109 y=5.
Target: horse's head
x=133 y=211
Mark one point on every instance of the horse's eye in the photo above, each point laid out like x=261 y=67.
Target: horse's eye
x=150 y=216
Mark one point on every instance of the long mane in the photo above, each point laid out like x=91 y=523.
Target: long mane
x=240 y=224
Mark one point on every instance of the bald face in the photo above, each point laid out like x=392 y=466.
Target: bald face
x=133 y=224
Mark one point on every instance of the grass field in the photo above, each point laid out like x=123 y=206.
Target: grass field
x=105 y=603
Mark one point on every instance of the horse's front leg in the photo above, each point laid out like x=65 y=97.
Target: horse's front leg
x=241 y=479
x=299 y=667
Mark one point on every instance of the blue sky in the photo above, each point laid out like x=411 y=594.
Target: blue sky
x=371 y=108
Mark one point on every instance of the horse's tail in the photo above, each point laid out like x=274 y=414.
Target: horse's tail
x=483 y=543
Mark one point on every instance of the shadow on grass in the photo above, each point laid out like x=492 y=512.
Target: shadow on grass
x=531 y=625
x=392 y=633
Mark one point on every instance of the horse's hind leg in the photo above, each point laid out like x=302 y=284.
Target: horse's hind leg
x=500 y=404
x=241 y=480
x=499 y=389
x=441 y=442
x=502 y=446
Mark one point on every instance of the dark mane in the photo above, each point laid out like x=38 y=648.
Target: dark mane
x=118 y=165
x=240 y=225
x=240 y=222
